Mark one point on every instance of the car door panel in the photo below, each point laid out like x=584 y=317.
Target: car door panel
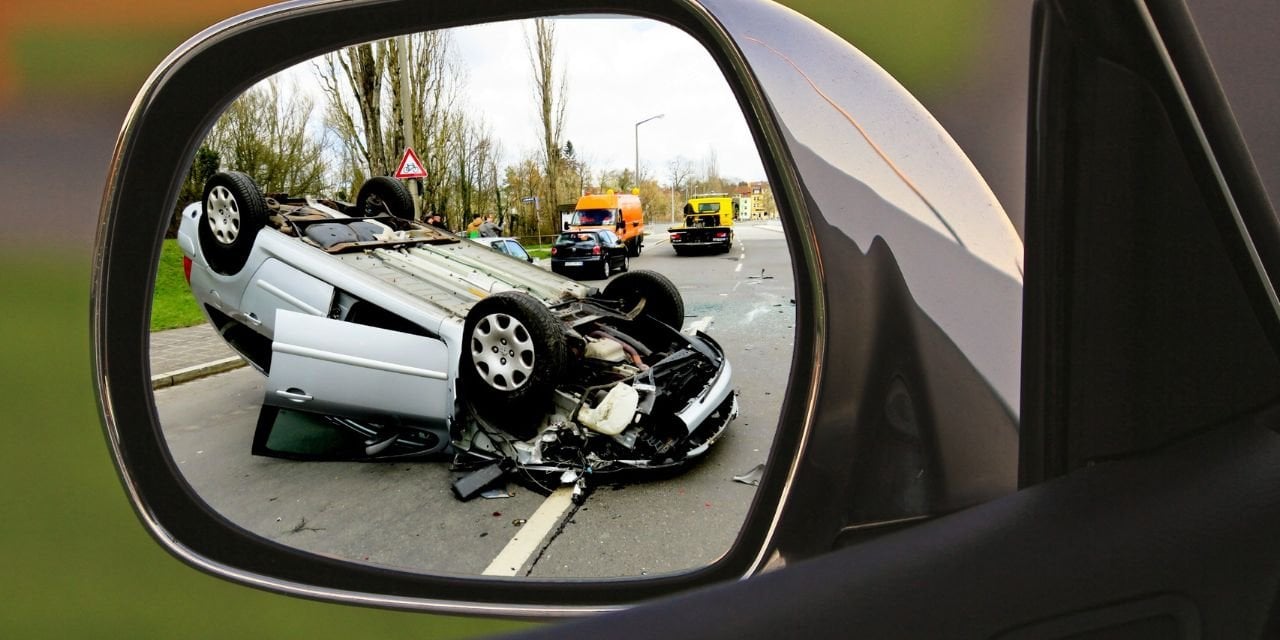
x=346 y=369
x=276 y=285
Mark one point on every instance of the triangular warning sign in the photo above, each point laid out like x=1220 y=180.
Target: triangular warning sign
x=410 y=166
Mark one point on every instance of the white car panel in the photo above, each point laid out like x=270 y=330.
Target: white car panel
x=341 y=368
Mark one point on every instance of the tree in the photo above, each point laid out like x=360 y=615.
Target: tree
x=679 y=172
x=264 y=133
x=620 y=180
x=577 y=170
x=707 y=178
x=549 y=96
x=477 y=169
x=358 y=72
x=525 y=179
x=361 y=85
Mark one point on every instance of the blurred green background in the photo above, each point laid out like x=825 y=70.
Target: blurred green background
x=80 y=564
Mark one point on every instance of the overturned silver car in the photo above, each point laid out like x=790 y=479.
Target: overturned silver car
x=414 y=343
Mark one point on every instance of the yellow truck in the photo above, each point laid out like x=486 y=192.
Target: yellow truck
x=708 y=225
x=620 y=213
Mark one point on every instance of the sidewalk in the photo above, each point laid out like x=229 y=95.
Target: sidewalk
x=181 y=355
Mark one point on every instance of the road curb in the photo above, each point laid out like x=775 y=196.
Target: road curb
x=188 y=374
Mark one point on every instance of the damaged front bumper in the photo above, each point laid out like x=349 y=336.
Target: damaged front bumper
x=585 y=438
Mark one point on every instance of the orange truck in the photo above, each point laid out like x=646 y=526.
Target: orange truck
x=620 y=213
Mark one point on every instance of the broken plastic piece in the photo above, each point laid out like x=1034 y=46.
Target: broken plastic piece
x=607 y=349
x=579 y=494
x=473 y=483
x=751 y=477
x=496 y=493
x=614 y=413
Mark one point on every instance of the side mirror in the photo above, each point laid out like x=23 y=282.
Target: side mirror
x=898 y=401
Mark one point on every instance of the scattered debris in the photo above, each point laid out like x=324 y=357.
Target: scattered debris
x=751 y=477
x=519 y=522
x=473 y=483
x=496 y=493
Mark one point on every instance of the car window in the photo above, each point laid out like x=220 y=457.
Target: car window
x=514 y=249
x=592 y=217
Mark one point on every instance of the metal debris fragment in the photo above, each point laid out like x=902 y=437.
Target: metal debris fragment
x=496 y=493
x=751 y=477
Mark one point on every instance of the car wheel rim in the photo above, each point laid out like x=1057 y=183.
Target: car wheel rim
x=223 y=214
x=502 y=351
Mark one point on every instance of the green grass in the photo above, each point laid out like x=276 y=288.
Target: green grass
x=173 y=306
x=539 y=251
x=79 y=563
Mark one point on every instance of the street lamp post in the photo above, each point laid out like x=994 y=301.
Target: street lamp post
x=637 y=178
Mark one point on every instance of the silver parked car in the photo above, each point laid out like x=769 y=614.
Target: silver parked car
x=425 y=344
x=508 y=246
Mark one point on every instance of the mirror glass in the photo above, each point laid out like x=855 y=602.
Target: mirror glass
x=509 y=299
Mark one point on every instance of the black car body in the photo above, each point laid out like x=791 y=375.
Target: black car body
x=589 y=255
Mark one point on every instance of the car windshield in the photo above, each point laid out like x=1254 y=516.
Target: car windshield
x=709 y=207
x=592 y=217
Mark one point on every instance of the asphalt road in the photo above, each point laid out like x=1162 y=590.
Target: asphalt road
x=404 y=514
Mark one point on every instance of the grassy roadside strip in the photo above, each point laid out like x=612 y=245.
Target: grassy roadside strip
x=173 y=306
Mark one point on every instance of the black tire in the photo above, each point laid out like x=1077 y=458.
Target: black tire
x=233 y=211
x=634 y=247
x=661 y=298
x=381 y=194
x=513 y=389
x=679 y=250
x=626 y=264
x=606 y=269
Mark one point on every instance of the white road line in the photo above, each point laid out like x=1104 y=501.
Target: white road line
x=529 y=539
x=738 y=268
x=700 y=324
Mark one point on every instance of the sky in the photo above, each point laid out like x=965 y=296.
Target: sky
x=619 y=70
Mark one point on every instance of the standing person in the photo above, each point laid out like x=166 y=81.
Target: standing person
x=473 y=229
x=438 y=222
x=489 y=229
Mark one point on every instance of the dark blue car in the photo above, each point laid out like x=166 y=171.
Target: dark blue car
x=589 y=255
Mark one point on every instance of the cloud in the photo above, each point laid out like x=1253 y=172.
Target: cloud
x=619 y=71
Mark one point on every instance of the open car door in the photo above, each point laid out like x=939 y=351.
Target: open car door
x=341 y=390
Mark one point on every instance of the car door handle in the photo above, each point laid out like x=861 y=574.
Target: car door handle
x=248 y=318
x=295 y=395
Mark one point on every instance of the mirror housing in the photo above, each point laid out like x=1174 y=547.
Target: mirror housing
x=902 y=402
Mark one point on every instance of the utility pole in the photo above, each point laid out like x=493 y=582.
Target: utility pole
x=406 y=116
x=638 y=144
